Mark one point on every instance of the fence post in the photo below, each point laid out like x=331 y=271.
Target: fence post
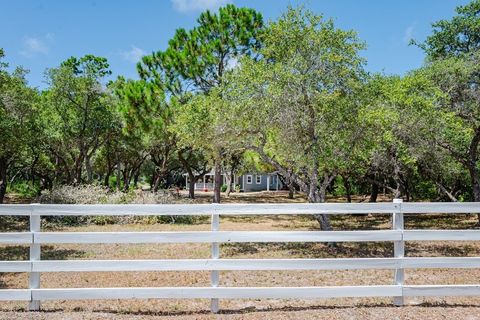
x=214 y=275
x=398 y=249
x=34 y=277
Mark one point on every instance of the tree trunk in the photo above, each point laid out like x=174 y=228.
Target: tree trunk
x=291 y=190
x=56 y=172
x=3 y=178
x=107 y=178
x=46 y=183
x=191 y=186
x=89 y=170
x=191 y=176
x=119 y=176
x=374 y=193
x=475 y=178
x=472 y=166
x=160 y=173
x=156 y=181
x=229 y=184
x=447 y=193
x=161 y=178
x=397 y=193
x=314 y=195
x=348 y=189
x=78 y=168
x=78 y=176
x=127 y=177
x=318 y=195
x=218 y=181
x=136 y=177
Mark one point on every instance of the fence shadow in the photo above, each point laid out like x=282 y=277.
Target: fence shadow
x=253 y=310
x=311 y=249
x=13 y=223
x=12 y=253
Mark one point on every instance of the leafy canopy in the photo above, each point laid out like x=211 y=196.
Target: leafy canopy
x=296 y=106
x=457 y=36
x=198 y=58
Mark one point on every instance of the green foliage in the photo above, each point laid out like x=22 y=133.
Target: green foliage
x=296 y=106
x=76 y=112
x=103 y=220
x=24 y=189
x=290 y=96
x=18 y=120
x=453 y=51
x=339 y=189
x=88 y=66
x=202 y=55
x=457 y=36
x=142 y=105
x=171 y=219
x=197 y=61
x=20 y=131
x=202 y=124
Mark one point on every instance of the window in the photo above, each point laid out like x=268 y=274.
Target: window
x=249 y=179
x=258 y=179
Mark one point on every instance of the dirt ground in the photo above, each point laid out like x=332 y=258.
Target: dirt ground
x=351 y=308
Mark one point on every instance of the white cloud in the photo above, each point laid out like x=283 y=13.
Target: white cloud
x=408 y=34
x=185 y=6
x=133 y=55
x=33 y=46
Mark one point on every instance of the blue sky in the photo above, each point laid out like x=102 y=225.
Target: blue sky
x=41 y=34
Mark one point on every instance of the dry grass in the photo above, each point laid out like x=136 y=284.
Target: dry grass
x=352 y=308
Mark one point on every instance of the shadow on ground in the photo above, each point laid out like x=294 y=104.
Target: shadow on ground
x=252 y=310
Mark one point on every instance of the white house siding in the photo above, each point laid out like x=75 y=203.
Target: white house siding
x=206 y=183
x=261 y=186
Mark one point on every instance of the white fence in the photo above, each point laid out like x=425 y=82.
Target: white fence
x=35 y=238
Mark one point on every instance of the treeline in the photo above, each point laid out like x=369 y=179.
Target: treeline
x=237 y=94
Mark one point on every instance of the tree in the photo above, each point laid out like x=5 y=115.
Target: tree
x=460 y=35
x=458 y=116
x=146 y=118
x=453 y=64
x=213 y=134
x=19 y=129
x=78 y=116
x=197 y=60
x=296 y=107
x=397 y=114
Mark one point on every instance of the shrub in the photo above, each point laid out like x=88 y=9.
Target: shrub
x=83 y=194
x=24 y=189
x=94 y=194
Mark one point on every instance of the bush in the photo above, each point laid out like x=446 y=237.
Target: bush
x=94 y=194
x=168 y=219
x=24 y=189
x=83 y=194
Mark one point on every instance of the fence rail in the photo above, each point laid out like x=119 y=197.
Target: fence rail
x=398 y=235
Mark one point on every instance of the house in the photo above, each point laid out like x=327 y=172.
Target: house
x=248 y=182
